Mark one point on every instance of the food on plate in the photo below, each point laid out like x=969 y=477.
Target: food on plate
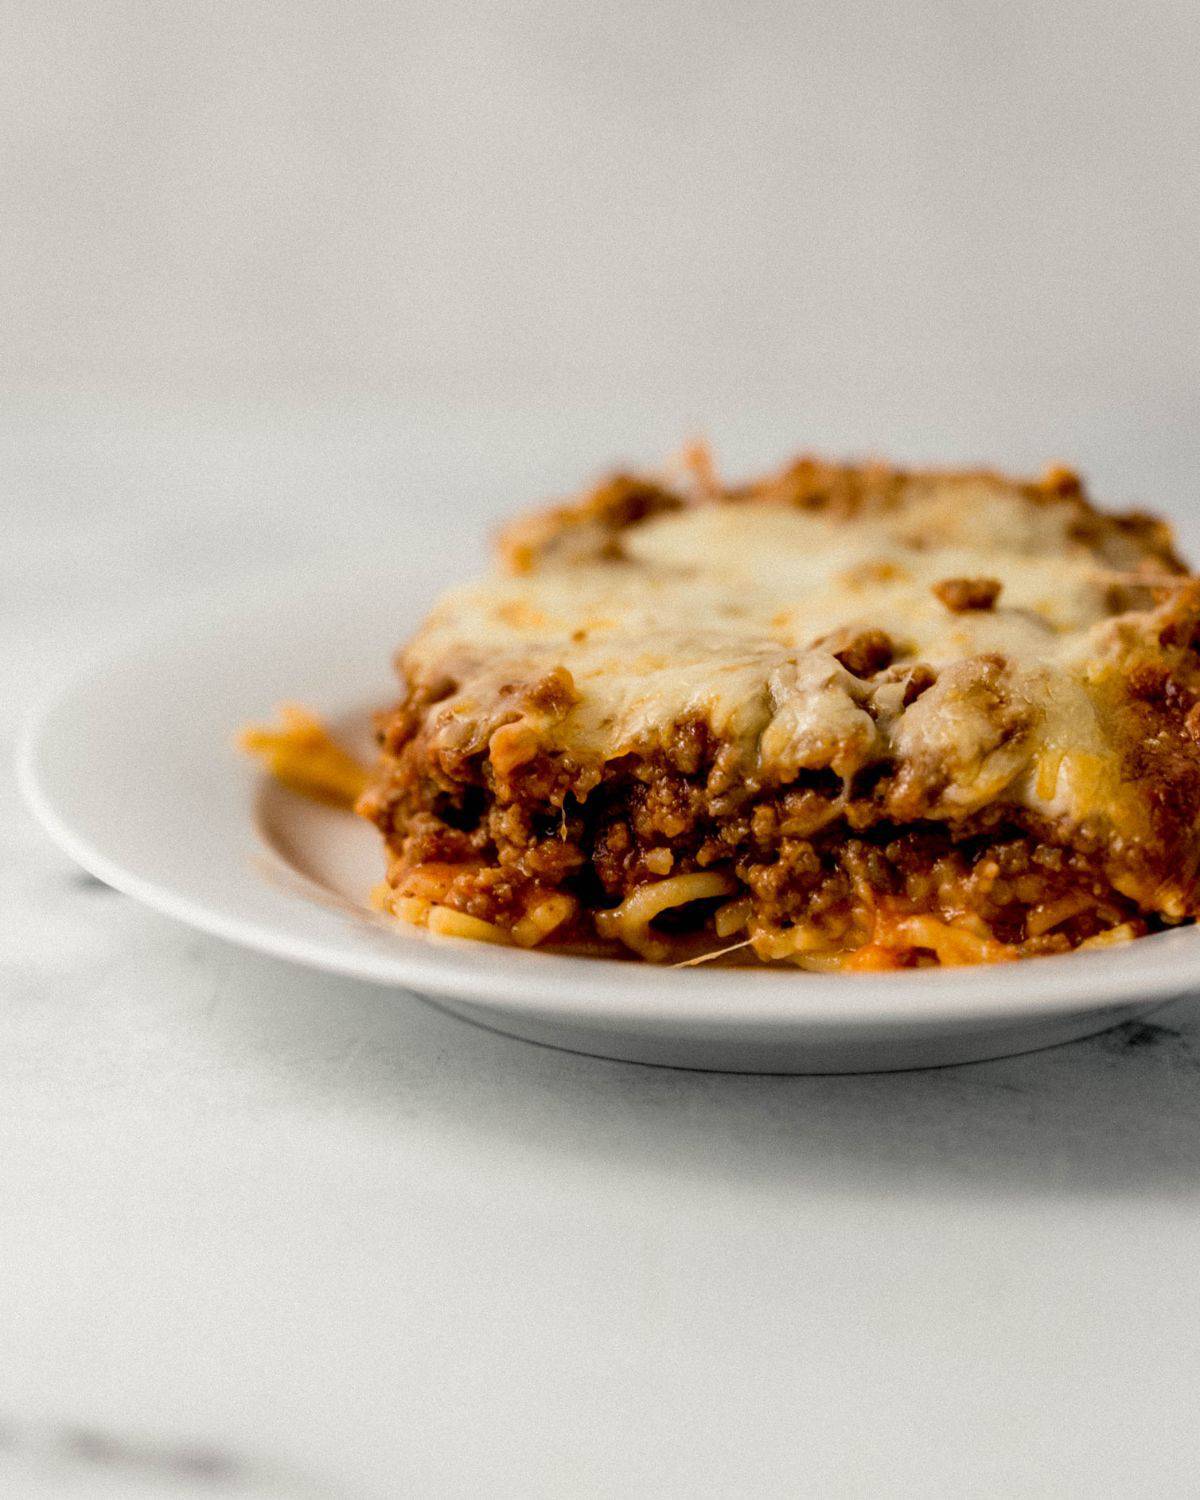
x=302 y=754
x=849 y=717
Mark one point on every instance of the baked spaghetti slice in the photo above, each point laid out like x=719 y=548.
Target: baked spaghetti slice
x=848 y=717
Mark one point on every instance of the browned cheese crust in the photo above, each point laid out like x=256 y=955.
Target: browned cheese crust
x=933 y=811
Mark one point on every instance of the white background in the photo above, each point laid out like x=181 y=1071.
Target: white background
x=276 y=279
x=959 y=230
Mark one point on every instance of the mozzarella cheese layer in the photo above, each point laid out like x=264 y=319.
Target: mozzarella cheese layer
x=736 y=614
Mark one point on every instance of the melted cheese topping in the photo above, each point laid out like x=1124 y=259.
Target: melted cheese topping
x=724 y=613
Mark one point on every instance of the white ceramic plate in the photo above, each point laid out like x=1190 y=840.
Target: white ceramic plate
x=131 y=768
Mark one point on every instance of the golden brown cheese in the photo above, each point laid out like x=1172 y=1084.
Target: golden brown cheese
x=730 y=613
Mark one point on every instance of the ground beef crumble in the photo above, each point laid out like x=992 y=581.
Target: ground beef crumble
x=802 y=852
x=962 y=594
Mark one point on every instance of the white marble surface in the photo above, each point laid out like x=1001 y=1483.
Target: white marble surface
x=266 y=1232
